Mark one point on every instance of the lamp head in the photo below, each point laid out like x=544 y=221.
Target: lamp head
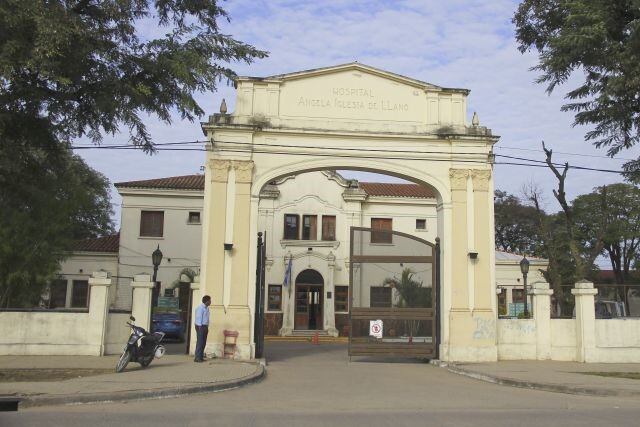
x=524 y=265
x=156 y=257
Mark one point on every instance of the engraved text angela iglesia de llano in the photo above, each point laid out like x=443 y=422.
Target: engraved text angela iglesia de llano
x=348 y=98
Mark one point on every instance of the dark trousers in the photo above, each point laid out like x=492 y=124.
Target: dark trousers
x=201 y=342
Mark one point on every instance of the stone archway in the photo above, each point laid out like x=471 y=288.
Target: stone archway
x=352 y=117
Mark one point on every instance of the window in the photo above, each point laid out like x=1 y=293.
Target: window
x=80 y=294
x=309 y=227
x=379 y=296
x=381 y=232
x=517 y=295
x=291 y=227
x=421 y=224
x=341 y=300
x=328 y=227
x=151 y=223
x=194 y=218
x=275 y=298
x=58 y=293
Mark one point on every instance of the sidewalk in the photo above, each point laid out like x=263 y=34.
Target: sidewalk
x=172 y=375
x=561 y=377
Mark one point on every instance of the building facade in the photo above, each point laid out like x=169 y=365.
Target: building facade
x=306 y=220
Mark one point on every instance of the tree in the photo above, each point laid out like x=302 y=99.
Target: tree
x=622 y=232
x=516 y=225
x=601 y=39
x=410 y=294
x=83 y=68
x=584 y=254
x=52 y=200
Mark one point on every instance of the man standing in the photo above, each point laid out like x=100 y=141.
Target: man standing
x=202 y=327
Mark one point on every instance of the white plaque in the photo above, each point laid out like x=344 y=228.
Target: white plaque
x=375 y=328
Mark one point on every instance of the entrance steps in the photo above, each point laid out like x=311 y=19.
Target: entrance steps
x=306 y=336
x=308 y=333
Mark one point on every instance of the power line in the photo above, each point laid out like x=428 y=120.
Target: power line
x=533 y=162
x=567 y=153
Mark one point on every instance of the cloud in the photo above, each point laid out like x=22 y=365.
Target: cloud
x=457 y=43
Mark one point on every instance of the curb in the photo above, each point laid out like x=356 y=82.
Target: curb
x=30 y=402
x=532 y=385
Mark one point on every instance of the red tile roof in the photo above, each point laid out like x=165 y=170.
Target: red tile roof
x=99 y=244
x=397 y=190
x=196 y=182
x=185 y=182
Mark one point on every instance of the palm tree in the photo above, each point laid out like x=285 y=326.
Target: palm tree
x=410 y=294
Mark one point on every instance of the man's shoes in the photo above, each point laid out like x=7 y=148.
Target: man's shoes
x=198 y=360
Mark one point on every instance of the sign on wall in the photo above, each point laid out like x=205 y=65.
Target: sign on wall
x=375 y=328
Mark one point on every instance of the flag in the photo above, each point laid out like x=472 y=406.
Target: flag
x=287 y=274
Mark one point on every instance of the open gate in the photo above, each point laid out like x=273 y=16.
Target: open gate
x=258 y=325
x=393 y=287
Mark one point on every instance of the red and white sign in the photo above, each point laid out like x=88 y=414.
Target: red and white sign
x=375 y=328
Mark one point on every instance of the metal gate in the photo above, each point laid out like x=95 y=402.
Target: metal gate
x=394 y=283
x=258 y=326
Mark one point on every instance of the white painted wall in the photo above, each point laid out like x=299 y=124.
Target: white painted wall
x=180 y=243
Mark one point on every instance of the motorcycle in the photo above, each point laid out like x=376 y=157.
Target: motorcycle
x=141 y=348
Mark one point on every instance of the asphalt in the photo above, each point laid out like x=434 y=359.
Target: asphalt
x=317 y=385
x=178 y=375
x=172 y=375
x=560 y=377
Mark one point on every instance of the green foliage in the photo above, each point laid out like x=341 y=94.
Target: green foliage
x=82 y=68
x=516 y=226
x=411 y=293
x=601 y=40
x=49 y=199
x=622 y=218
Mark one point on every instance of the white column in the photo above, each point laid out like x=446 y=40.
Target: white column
x=99 y=284
x=585 y=320
x=329 y=304
x=141 y=304
x=541 y=296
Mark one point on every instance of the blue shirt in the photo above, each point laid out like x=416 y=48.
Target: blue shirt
x=202 y=315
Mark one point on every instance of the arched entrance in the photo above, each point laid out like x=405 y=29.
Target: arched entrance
x=351 y=117
x=309 y=300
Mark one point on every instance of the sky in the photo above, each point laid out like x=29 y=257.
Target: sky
x=454 y=43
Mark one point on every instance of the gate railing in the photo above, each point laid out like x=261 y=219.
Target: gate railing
x=393 y=299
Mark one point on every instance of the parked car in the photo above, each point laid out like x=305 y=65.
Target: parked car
x=170 y=323
x=606 y=309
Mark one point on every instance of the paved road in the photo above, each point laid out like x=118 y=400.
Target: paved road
x=317 y=386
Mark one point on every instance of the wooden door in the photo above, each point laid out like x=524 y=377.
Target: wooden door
x=315 y=307
x=301 y=320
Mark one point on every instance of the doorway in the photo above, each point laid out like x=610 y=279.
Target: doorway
x=309 y=301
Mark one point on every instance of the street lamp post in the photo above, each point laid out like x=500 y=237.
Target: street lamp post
x=524 y=268
x=156 y=259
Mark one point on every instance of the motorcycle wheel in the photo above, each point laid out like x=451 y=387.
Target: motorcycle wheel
x=144 y=362
x=123 y=361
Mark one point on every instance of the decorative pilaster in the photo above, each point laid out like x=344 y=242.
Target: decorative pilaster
x=329 y=306
x=482 y=240
x=244 y=171
x=219 y=170
x=460 y=279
